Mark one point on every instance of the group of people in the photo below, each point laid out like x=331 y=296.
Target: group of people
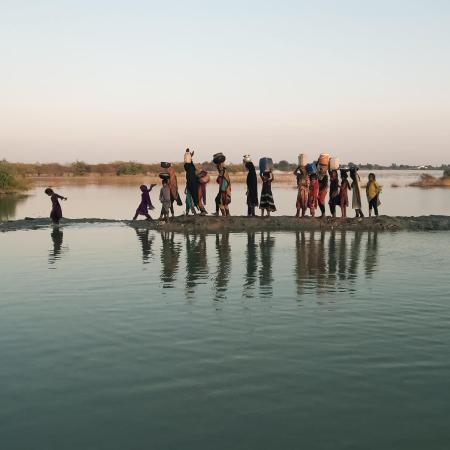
x=312 y=187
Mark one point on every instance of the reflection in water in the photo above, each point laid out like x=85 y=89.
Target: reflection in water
x=266 y=245
x=325 y=267
x=8 y=205
x=146 y=239
x=170 y=259
x=251 y=265
x=57 y=240
x=223 y=252
x=196 y=262
x=323 y=262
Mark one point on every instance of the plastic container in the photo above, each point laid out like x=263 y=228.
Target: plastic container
x=265 y=165
x=324 y=159
x=219 y=158
x=187 y=157
x=311 y=168
x=247 y=159
x=165 y=165
x=334 y=163
x=302 y=159
x=164 y=176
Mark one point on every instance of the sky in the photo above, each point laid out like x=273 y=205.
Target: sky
x=110 y=80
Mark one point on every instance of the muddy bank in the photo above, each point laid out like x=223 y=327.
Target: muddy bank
x=238 y=224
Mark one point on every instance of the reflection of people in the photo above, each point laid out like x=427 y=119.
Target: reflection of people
x=223 y=251
x=146 y=240
x=252 y=265
x=170 y=257
x=56 y=212
x=266 y=246
x=196 y=260
x=57 y=239
x=371 y=253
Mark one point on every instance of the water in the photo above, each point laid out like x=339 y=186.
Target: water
x=120 y=201
x=112 y=338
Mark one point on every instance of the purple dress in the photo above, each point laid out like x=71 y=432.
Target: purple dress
x=146 y=203
x=56 y=213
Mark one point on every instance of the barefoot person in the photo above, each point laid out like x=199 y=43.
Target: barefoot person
x=323 y=191
x=146 y=203
x=334 y=199
x=267 y=203
x=343 y=193
x=56 y=212
x=173 y=185
x=191 y=183
x=223 y=198
x=313 y=198
x=373 y=190
x=165 y=199
x=303 y=191
x=356 y=192
x=252 y=187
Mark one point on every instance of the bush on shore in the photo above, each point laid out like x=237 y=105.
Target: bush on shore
x=10 y=180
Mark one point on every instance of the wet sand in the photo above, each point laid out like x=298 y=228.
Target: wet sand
x=210 y=224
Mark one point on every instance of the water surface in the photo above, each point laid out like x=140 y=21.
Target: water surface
x=118 y=338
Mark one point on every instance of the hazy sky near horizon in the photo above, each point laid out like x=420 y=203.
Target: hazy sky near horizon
x=141 y=80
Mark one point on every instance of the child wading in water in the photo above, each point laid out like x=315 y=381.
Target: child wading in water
x=267 y=203
x=303 y=190
x=146 y=203
x=334 y=192
x=165 y=199
x=56 y=213
x=356 y=188
x=373 y=190
x=343 y=193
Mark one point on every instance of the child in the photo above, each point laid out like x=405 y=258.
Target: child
x=223 y=198
x=313 y=193
x=303 y=190
x=373 y=190
x=146 y=203
x=356 y=188
x=267 y=204
x=323 y=191
x=334 y=192
x=56 y=213
x=166 y=199
x=343 y=193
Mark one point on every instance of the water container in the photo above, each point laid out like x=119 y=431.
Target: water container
x=311 y=168
x=324 y=159
x=247 y=159
x=265 y=165
x=187 y=157
x=164 y=176
x=218 y=158
x=302 y=159
x=165 y=165
x=334 y=163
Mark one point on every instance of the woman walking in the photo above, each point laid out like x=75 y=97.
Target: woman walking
x=252 y=187
x=334 y=199
x=223 y=198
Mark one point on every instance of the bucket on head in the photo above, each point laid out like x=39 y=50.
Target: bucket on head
x=302 y=159
x=311 y=168
x=334 y=163
x=187 y=157
x=165 y=165
x=324 y=159
x=265 y=165
x=164 y=176
x=219 y=158
x=247 y=159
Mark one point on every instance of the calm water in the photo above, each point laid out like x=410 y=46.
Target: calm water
x=112 y=338
x=120 y=202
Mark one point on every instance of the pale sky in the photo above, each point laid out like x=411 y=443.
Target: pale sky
x=368 y=81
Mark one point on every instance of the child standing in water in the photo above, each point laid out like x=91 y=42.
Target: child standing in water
x=373 y=190
x=343 y=193
x=146 y=203
x=165 y=199
x=356 y=189
x=313 y=193
x=267 y=203
x=56 y=212
x=303 y=191
x=334 y=192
